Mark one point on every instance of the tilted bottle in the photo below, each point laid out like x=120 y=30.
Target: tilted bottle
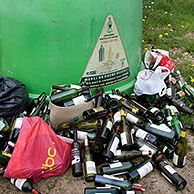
x=123 y=155
x=125 y=103
x=180 y=153
x=95 y=113
x=99 y=100
x=111 y=103
x=172 y=175
x=116 y=168
x=89 y=164
x=76 y=160
x=166 y=148
x=112 y=145
x=103 y=180
x=143 y=169
x=162 y=131
x=140 y=133
x=24 y=185
x=127 y=140
x=168 y=115
x=107 y=127
x=67 y=94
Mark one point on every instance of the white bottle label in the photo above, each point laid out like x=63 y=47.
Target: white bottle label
x=130 y=192
x=123 y=138
x=115 y=96
x=18 y=123
x=141 y=134
x=146 y=148
x=164 y=149
x=115 y=165
x=117 y=153
x=81 y=135
x=90 y=167
x=75 y=86
x=79 y=100
x=117 y=117
x=109 y=125
x=170 y=169
x=184 y=160
x=98 y=109
x=114 y=145
x=161 y=127
x=18 y=183
x=112 y=177
x=169 y=91
x=131 y=118
x=144 y=170
x=175 y=159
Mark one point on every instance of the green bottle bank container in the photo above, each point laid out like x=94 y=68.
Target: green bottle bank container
x=47 y=42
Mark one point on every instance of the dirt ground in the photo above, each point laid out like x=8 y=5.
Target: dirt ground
x=153 y=182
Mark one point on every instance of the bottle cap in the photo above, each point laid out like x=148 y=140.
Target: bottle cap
x=139 y=188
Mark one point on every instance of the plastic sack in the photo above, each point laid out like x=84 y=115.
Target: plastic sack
x=13 y=97
x=158 y=57
x=151 y=82
x=38 y=152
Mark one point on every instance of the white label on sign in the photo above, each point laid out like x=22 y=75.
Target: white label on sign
x=108 y=63
x=144 y=170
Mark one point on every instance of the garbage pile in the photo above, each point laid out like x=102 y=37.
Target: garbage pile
x=111 y=139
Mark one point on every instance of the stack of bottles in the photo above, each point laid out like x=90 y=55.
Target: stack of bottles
x=119 y=141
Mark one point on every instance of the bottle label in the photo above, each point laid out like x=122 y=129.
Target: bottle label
x=130 y=192
x=114 y=145
x=164 y=149
x=98 y=109
x=81 y=135
x=18 y=123
x=115 y=96
x=153 y=110
x=75 y=86
x=90 y=167
x=169 y=91
x=144 y=170
x=117 y=153
x=176 y=159
x=141 y=134
x=131 y=118
x=161 y=127
x=18 y=183
x=170 y=169
x=115 y=165
x=109 y=125
x=166 y=177
x=79 y=100
x=146 y=148
x=117 y=117
x=75 y=155
x=123 y=138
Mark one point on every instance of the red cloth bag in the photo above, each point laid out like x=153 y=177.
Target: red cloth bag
x=38 y=152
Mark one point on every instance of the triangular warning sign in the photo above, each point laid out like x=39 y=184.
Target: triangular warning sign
x=108 y=63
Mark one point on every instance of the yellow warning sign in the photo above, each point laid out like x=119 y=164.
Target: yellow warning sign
x=108 y=63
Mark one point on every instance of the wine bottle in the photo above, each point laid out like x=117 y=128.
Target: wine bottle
x=170 y=92
x=103 y=180
x=16 y=127
x=6 y=145
x=162 y=131
x=95 y=113
x=140 y=133
x=101 y=190
x=31 y=106
x=143 y=169
x=99 y=100
x=187 y=88
x=76 y=160
x=89 y=164
x=127 y=140
x=172 y=175
x=176 y=124
x=67 y=94
x=4 y=158
x=112 y=145
x=68 y=86
x=46 y=113
x=180 y=153
x=123 y=155
x=123 y=102
x=24 y=185
x=4 y=127
x=116 y=168
x=111 y=103
x=107 y=127
x=166 y=148
x=146 y=146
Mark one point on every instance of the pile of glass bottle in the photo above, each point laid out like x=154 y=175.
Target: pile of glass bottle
x=122 y=139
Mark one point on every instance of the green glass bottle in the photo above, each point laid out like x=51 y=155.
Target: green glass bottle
x=166 y=148
x=89 y=164
x=67 y=94
x=180 y=153
x=170 y=92
x=172 y=175
x=24 y=185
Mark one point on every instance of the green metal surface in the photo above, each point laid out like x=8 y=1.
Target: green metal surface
x=47 y=42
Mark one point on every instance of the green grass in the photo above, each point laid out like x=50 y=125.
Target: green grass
x=174 y=17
